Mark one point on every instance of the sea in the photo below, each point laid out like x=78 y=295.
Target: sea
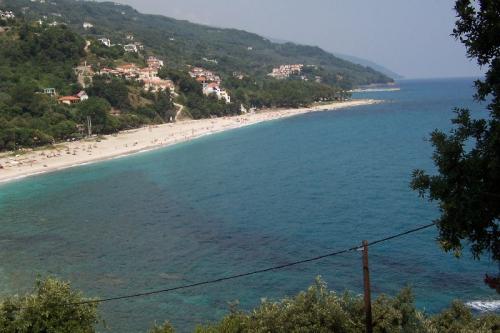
x=244 y=200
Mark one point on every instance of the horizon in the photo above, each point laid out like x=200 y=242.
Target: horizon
x=415 y=50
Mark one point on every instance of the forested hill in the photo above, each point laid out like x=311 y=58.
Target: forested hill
x=181 y=42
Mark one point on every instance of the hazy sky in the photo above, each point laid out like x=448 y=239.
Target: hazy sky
x=410 y=37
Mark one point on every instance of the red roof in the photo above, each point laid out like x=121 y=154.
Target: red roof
x=69 y=98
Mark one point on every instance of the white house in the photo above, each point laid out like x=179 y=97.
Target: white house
x=49 y=91
x=105 y=41
x=7 y=15
x=214 y=88
x=82 y=95
x=87 y=25
x=130 y=48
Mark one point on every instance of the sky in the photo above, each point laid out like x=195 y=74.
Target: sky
x=409 y=37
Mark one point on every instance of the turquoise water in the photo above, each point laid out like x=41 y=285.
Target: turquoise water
x=243 y=200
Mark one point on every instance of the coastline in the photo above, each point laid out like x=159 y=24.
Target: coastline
x=75 y=153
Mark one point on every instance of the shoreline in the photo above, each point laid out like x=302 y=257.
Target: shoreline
x=66 y=155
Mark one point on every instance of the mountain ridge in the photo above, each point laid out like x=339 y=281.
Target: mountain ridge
x=185 y=43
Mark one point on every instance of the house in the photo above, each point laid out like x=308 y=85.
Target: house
x=82 y=95
x=69 y=100
x=158 y=84
x=49 y=91
x=214 y=88
x=154 y=62
x=285 y=71
x=6 y=15
x=129 y=37
x=105 y=41
x=127 y=69
x=130 y=48
x=147 y=73
x=204 y=74
x=87 y=25
x=201 y=79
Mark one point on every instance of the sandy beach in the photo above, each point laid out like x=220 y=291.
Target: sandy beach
x=68 y=154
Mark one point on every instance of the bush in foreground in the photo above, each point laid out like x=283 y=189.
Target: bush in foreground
x=54 y=307
x=50 y=308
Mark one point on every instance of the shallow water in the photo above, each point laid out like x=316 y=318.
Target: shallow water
x=242 y=200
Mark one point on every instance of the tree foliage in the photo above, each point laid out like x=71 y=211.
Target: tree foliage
x=319 y=310
x=54 y=307
x=51 y=308
x=467 y=185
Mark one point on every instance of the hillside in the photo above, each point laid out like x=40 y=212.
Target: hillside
x=73 y=68
x=183 y=43
x=364 y=62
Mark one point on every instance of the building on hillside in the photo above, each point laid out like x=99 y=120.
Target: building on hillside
x=69 y=100
x=130 y=48
x=238 y=75
x=108 y=71
x=285 y=71
x=157 y=84
x=82 y=95
x=147 y=73
x=87 y=25
x=214 y=89
x=204 y=74
x=129 y=37
x=127 y=68
x=50 y=91
x=154 y=62
x=214 y=61
x=7 y=15
x=105 y=41
x=201 y=79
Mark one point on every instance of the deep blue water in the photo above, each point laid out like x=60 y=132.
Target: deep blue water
x=243 y=200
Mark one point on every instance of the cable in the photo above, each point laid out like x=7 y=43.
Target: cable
x=237 y=276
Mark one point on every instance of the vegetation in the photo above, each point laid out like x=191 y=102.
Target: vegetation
x=33 y=58
x=183 y=43
x=467 y=185
x=35 y=54
x=319 y=310
x=52 y=307
x=55 y=307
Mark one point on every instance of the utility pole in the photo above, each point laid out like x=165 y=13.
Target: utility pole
x=368 y=300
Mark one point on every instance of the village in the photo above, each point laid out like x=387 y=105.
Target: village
x=147 y=76
x=285 y=71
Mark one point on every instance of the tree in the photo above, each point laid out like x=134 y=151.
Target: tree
x=98 y=111
x=467 y=186
x=114 y=90
x=319 y=310
x=52 y=307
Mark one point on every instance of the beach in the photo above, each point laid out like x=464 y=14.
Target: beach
x=69 y=154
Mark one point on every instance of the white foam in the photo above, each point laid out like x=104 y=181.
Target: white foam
x=374 y=90
x=484 y=306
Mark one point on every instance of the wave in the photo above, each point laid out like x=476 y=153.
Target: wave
x=484 y=306
x=374 y=90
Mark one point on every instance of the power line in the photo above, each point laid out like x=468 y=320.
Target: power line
x=260 y=271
